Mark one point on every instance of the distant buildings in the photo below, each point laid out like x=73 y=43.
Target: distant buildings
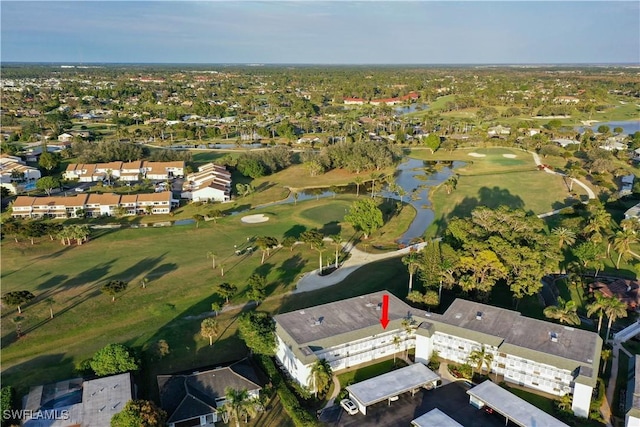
x=541 y=355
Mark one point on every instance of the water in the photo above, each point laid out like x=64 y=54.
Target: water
x=416 y=178
x=411 y=108
x=184 y=222
x=628 y=127
x=29 y=186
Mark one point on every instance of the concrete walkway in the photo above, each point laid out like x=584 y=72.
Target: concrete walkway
x=312 y=280
x=336 y=391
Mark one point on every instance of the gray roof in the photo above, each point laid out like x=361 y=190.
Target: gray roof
x=327 y=325
x=104 y=397
x=517 y=410
x=314 y=324
x=524 y=332
x=89 y=403
x=188 y=396
x=392 y=383
x=435 y=417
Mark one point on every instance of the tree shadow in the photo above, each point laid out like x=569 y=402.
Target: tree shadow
x=330 y=228
x=492 y=198
x=145 y=264
x=162 y=269
x=264 y=269
x=295 y=231
x=290 y=269
x=31 y=372
x=52 y=281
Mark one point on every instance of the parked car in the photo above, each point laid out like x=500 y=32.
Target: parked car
x=349 y=406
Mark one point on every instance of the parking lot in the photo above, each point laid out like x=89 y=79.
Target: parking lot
x=450 y=399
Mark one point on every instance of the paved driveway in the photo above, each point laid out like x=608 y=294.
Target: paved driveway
x=450 y=399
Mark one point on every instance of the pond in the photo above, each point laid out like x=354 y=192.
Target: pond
x=628 y=127
x=410 y=108
x=416 y=177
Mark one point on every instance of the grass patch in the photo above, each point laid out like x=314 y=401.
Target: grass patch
x=538 y=401
x=357 y=375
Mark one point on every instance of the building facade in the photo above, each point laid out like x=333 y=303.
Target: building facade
x=531 y=353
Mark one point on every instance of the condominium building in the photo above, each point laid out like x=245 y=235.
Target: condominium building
x=92 y=205
x=211 y=183
x=531 y=353
x=124 y=171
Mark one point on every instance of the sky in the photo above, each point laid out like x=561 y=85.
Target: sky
x=312 y=32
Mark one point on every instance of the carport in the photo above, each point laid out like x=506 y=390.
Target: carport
x=435 y=417
x=514 y=409
x=391 y=384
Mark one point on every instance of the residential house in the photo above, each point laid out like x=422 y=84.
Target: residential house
x=163 y=170
x=194 y=399
x=625 y=290
x=532 y=353
x=564 y=142
x=15 y=175
x=633 y=212
x=498 y=131
x=627 y=184
x=65 y=137
x=614 y=143
x=566 y=100
x=211 y=183
x=77 y=402
x=354 y=101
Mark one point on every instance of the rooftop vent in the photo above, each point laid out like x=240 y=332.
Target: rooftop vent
x=369 y=304
x=302 y=312
x=379 y=307
x=479 y=315
x=568 y=328
x=554 y=336
x=458 y=315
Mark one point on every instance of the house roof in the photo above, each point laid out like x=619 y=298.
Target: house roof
x=435 y=417
x=186 y=396
x=103 y=199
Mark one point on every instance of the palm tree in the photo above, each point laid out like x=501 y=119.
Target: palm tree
x=480 y=358
x=622 y=243
x=615 y=309
x=396 y=342
x=565 y=236
x=337 y=241
x=598 y=306
x=605 y=355
x=212 y=255
x=358 y=180
x=564 y=312
x=144 y=282
x=238 y=404
x=50 y=302
x=321 y=375
x=412 y=263
x=209 y=329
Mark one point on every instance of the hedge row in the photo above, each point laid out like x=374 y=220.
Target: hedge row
x=300 y=417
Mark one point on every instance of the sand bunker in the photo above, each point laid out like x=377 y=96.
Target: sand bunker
x=477 y=155
x=509 y=156
x=254 y=219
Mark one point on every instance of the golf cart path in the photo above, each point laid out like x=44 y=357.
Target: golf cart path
x=312 y=280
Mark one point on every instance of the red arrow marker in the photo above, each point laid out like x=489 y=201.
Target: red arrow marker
x=384 y=320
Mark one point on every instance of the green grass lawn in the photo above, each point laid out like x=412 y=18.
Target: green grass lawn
x=363 y=373
x=182 y=284
x=536 y=400
x=496 y=180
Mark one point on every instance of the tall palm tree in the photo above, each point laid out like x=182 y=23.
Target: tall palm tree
x=480 y=358
x=565 y=236
x=337 y=241
x=564 y=312
x=605 y=355
x=622 y=243
x=358 y=180
x=411 y=260
x=212 y=255
x=598 y=224
x=396 y=342
x=321 y=375
x=238 y=404
x=614 y=310
x=598 y=306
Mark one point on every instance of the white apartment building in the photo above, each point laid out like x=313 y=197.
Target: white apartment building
x=532 y=353
x=125 y=171
x=211 y=183
x=15 y=175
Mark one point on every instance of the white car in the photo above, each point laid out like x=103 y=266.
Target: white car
x=349 y=406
